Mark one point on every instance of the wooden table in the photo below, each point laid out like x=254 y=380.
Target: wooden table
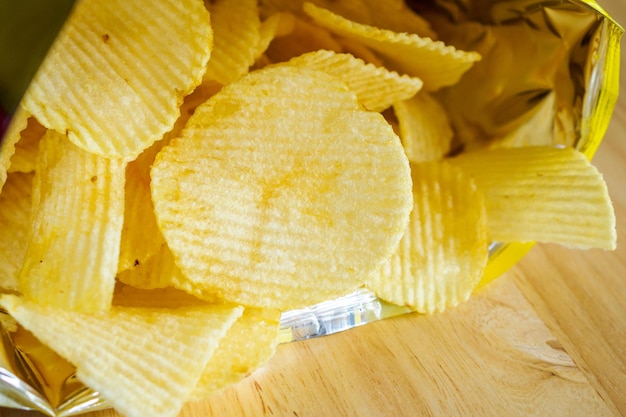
x=546 y=339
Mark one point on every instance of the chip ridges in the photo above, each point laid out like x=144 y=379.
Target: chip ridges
x=544 y=194
x=155 y=356
x=442 y=255
x=436 y=63
x=97 y=83
x=78 y=207
x=308 y=207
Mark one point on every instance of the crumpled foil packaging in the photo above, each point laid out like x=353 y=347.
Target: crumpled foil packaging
x=549 y=75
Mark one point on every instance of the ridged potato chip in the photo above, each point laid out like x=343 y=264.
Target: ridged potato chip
x=77 y=216
x=425 y=129
x=288 y=209
x=116 y=75
x=249 y=343
x=375 y=87
x=437 y=64
x=143 y=361
x=15 y=207
x=444 y=250
x=235 y=46
x=544 y=194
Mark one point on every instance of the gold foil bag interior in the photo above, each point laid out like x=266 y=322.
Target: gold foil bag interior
x=549 y=74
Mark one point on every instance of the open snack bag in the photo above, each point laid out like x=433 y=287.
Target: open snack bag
x=179 y=194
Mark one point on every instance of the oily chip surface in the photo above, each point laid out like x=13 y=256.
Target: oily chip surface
x=115 y=77
x=437 y=64
x=282 y=192
x=444 y=250
x=544 y=194
x=74 y=238
x=142 y=360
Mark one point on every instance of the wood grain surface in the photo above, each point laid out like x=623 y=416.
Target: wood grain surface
x=546 y=339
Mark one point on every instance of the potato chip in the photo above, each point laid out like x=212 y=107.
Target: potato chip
x=543 y=194
x=235 y=45
x=249 y=344
x=25 y=156
x=73 y=246
x=288 y=209
x=143 y=361
x=115 y=77
x=444 y=250
x=425 y=129
x=437 y=64
x=375 y=87
x=15 y=205
x=11 y=137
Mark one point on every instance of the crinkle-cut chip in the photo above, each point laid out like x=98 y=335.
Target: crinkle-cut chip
x=375 y=87
x=15 y=207
x=25 y=156
x=143 y=361
x=437 y=64
x=247 y=346
x=425 y=129
x=543 y=194
x=389 y=14
x=234 y=44
x=288 y=209
x=444 y=250
x=275 y=26
x=305 y=37
x=118 y=71
x=11 y=137
x=77 y=216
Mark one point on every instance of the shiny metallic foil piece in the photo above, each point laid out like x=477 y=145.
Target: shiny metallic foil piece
x=549 y=75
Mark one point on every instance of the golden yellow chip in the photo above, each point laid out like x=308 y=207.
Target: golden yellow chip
x=444 y=250
x=437 y=64
x=375 y=87
x=235 y=44
x=287 y=209
x=249 y=344
x=543 y=194
x=424 y=126
x=11 y=137
x=15 y=206
x=73 y=247
x=143 y=361
x=25 y=156
x=116 y=76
